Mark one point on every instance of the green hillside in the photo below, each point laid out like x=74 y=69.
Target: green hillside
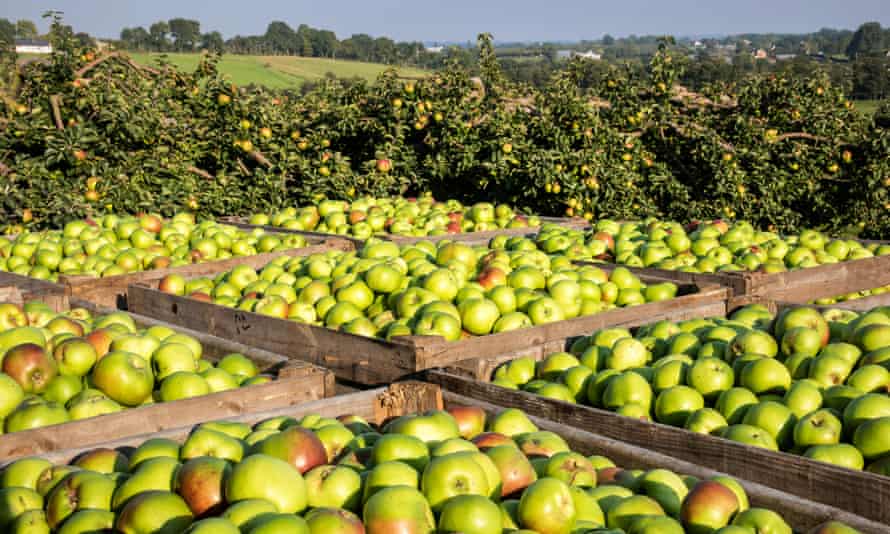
x=278 y=71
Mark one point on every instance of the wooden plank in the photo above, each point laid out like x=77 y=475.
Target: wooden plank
x=112 y=290
x=375 y=361
x=405 y=398
x=31 y=289
x=295 y=382
x=861 y=493
x=365 y=404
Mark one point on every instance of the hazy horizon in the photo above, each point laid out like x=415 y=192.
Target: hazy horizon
x=462 y=20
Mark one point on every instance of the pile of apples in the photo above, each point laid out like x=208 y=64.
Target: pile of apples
x=709 y=246
x=60 y=367
x=852 y=296
x=422 y=216
x=806 y=382
x=114 y=245
x=448 y=289
x=444 y=472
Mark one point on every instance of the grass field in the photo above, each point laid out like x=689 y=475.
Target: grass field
x=278 y=71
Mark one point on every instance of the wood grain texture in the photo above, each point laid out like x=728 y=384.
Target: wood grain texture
x=366 y=404
x=31 y=289
x=860 y=493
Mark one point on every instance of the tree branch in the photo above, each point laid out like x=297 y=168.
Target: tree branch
x=54 y=102
x=201 y=172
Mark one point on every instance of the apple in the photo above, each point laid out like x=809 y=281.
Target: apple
x=762 y=520
x=260 y=476
x=201 y=483
x=34 y=413
x=183 y=385
x=841 y=454
x=328 y=520
x=626 y=511
x=802 y=317
x=11 y=395
x=24 y=472
x=750 y=435
x=627 y=353
x=331 y=486
x=213 y=525
x=154 y=511
x=15 y=501
x=479 y=316
x=871 y=438
x=627 y=388
x=450 y=475
x=78 y=491
x=707 y=507
x=820 y=427
x=30 y=366
x=470 y=420
x=470 y=514
x=674 y=405
x=774 y=418
x=864 y=408
x=803 y=398
x=766 y=375
x=153 y=474
x=103 y=460
x=388 y=474
x=705 y=421
x=398 y=508
x=298 y=447
x=547 y=507
x=400 y=447
x=710 y=377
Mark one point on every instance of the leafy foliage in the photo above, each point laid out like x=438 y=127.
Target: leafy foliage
x=84 y=135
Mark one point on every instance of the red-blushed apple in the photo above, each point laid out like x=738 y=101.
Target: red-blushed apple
x=30 y=366
x=517 y=473
x=488 y=440
x=470 y=420
x=332 y=520
x=298 y=446
x=398 y=509
x=707 y=507
x=201 y=483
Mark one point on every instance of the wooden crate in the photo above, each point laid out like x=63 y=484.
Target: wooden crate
x=784 y=471
x=376 y=361
x=295 y=382
x=18 y=289
x=404 y=398
x=111 y=291
x=800 y=285
x=475 y=237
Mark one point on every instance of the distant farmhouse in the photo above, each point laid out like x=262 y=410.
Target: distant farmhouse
x=590 y=54
x=33 y=46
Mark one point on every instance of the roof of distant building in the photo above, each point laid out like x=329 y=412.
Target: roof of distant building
x=31 y=42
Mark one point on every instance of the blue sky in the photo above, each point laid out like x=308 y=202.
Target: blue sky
x=459 y=20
